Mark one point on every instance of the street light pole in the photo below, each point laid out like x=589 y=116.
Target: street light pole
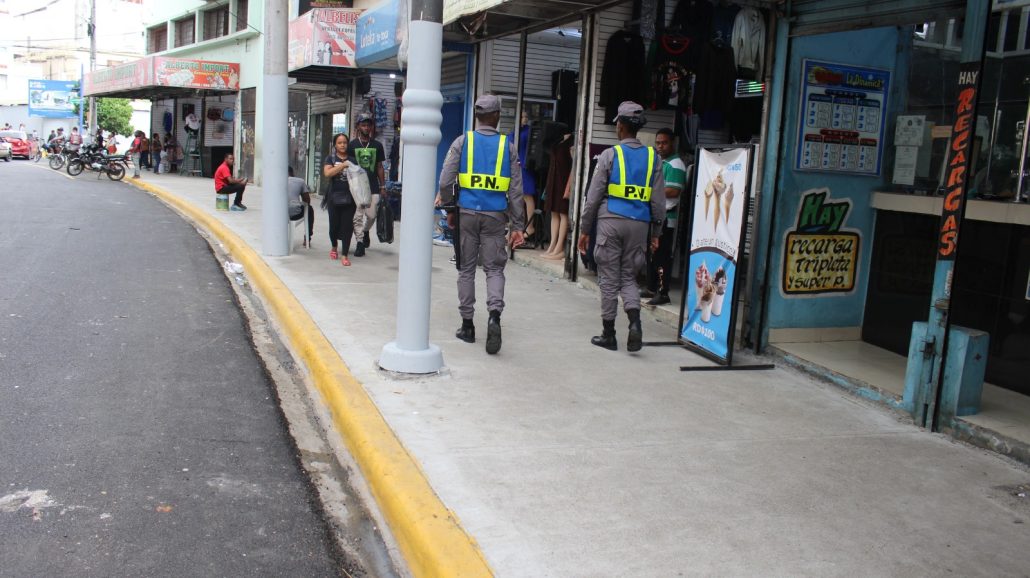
x=411 y=351
x=275 y=138
x=91 y=28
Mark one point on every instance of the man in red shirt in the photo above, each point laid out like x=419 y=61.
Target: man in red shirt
x=225 y=183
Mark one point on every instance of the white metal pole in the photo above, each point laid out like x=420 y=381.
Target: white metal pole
x=92 y=29
x=274 y=139
x=411 y=351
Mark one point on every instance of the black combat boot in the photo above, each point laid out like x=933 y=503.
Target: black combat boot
x=636 y=333
x=467 y=331
x=493 y=333
x=607 y=337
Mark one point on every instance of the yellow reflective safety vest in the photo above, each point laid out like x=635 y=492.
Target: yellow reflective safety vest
x=629 y=185
x=485 y=172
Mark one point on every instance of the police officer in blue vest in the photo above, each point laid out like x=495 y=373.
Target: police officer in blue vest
x=626 y=200
x=485 y=165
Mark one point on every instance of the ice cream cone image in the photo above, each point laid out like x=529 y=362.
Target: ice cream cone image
x=727 y=200
x=720 y=282
x=715 y=189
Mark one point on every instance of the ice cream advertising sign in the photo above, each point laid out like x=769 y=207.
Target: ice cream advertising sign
x=716 y=234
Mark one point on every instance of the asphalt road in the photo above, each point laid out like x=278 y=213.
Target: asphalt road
x=139 y=435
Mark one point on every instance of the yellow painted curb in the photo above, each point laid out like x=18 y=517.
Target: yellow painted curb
x=429 y=535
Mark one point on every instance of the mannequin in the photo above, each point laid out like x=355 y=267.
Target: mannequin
x=528 y=180
x=559 y=178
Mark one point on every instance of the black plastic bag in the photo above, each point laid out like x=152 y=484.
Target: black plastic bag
x=384 y=222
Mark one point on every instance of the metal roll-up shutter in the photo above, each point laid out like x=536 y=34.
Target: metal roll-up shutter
x=333 y=100
x=452 y=69
x=822 y=16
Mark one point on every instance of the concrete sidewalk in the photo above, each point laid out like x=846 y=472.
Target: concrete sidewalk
x=562 y=459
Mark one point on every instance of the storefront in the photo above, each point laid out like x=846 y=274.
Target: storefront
x=863 y=124
x=195 y=101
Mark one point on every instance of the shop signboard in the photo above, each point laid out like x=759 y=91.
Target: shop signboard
x=722 y=185
x=960 y=153
x=202 y=74
x=842 y=117
x=380 y=31
x=53 y=98
x=820 y=254
x=324 y=37
x=454 y=9
x=118 y=78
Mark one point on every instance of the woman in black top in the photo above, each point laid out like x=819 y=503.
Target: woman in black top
x=339 y=201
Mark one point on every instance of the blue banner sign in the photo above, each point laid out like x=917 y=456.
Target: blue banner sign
x=380 y=32
x=719 y=214
x=53 y=98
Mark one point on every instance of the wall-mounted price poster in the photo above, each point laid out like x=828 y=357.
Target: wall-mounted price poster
x=841 y=124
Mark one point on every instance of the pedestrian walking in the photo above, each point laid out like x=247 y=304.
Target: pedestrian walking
x=674 y=172
x=339 y=202
x=626 y=199
x=485 y=165
x=144 y=151
x=74 y=140
x=155 y=152
x=369 y=154
x=136 y=150
x=225 y=183
x=299 y=198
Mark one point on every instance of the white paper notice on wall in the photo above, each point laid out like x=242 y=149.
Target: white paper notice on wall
x=908 y=131
x=906 y=158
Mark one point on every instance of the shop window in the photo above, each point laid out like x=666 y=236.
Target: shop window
x=185 y=31
x=157 y=39
x=216 y=23
x=241 y=15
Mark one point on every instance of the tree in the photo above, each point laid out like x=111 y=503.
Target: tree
x=114 y=115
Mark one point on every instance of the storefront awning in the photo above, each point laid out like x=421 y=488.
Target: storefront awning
x=163 y=77
x=479 y=20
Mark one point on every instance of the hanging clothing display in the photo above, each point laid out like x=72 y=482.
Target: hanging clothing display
x=749 y=43
x=675 y=61
x=558 y=173
x=564 y=89
x=381 y=113
x=528 y=179
x=723 y=19
x=624 y=76
x=716 y=85
x=693 y=18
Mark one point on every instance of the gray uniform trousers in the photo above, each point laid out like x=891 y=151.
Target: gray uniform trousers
x=620 y=253
x=481 y=235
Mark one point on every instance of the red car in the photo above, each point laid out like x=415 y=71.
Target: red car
x=21 y=145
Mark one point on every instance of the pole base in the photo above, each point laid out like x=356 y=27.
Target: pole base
x=393 y=358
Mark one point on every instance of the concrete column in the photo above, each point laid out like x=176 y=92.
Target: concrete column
x=411 y=351
x=274 y=138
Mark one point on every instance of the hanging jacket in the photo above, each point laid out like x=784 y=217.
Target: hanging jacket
x=485 y=172
x=749 y=41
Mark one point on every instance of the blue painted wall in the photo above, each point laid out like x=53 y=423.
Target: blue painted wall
x=876 y=48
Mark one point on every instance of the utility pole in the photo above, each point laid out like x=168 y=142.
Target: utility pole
x=91 y=29
x=274 y=140
x=411 y=351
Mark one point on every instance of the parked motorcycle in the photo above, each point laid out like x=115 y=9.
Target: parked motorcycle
x=94 y=160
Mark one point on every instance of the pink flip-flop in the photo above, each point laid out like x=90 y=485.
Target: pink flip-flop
x=345 y=261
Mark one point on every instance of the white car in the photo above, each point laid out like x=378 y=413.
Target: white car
x=5 y=150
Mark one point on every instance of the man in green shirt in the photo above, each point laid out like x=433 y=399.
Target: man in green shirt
x=659 y=270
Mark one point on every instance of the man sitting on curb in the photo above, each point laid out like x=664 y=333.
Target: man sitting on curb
x=225 y=183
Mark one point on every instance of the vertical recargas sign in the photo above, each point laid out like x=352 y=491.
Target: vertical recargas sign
x=959 y=156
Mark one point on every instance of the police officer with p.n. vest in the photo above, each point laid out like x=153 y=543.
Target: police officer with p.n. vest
x=626 y=199
x=485 y=165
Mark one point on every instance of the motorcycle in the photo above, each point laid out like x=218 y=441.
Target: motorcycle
x=93 y=159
